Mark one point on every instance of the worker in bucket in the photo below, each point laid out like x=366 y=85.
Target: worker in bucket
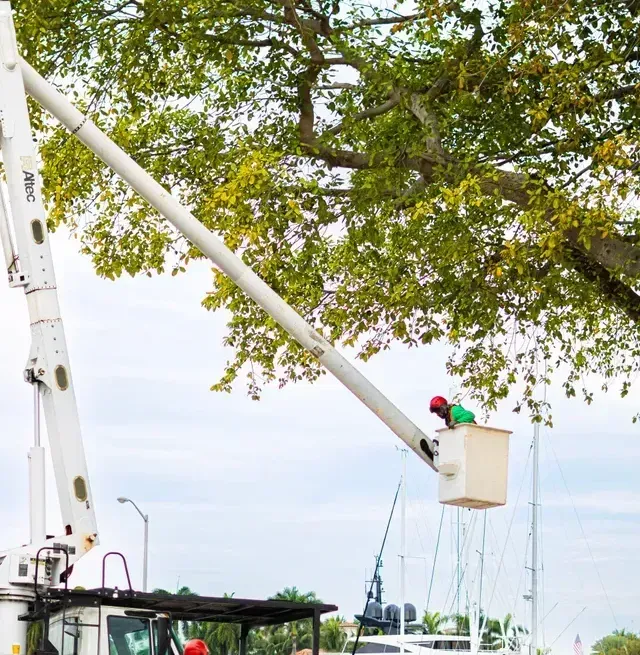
x=451 y=414
x=196 y=647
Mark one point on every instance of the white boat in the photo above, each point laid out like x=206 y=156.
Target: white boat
x=425 y=645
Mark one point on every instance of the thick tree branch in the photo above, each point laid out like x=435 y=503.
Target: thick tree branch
x=359 y=160
x=305 y=6
x=337 y=86
x=372 y=22
x=271 y=42
x=606 y=256
x=372 y=112
x=444 y=80
x=306 y=26
x=308 y=30
x=306 y=121
x=616 y=291
x=611 y=252
x=241 y=12
x=429 y=120
x=340 y=61
x=619 y=93
x=117 y=9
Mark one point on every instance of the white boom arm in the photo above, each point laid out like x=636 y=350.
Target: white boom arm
x=182 y=219
x=30 y=265
x=25 y=243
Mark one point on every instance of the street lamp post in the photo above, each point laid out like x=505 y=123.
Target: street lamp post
x=145 y=518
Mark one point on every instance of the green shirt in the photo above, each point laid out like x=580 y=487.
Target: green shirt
x=461 y=415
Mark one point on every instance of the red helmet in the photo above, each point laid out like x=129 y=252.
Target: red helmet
x=436 y=402
x=196 y=647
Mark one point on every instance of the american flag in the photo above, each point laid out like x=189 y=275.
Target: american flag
x=577 y=646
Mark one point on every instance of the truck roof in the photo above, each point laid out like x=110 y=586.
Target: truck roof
x=188 y=608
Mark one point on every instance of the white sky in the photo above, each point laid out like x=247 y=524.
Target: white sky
x=250 y=497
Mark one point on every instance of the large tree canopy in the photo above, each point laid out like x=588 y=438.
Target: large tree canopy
x=409 y=171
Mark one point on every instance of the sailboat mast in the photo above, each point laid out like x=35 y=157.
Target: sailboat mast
x=459 y=558
x=403 y=546
x=534 y=541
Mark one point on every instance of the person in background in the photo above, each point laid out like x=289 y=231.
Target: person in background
x=451 y=414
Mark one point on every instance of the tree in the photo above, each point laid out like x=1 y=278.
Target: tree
x=299 y=634
x=294 y=595
x=434 y=622
x=461 y=624
x=221 y=638
x=505 y=633
x=272 y=641
x=495 y=633
x=180 y=627
x=332 y=636
x=620 y=642
x=492 y=634
x=451 y=174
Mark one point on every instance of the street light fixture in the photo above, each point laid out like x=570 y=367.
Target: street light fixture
x=145 y=518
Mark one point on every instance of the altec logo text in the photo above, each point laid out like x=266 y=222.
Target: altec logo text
x=30 y=186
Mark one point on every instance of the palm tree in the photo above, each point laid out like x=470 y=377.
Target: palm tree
x=501 y=634
x=294 y=595
x=507 y=624
x=433 y=622
x=221 y=638
x=518 y=632
x=300 y=632
x=622 y=632
x=274 y=640
x=493 y=635
x=505 y=634
x=332 y=636
x=181 y=628
x=617 y=642
x=461 y=624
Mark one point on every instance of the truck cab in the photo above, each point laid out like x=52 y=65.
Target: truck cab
x=108 y=621
x=111 y=630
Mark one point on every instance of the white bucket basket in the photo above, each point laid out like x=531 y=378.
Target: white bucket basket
x=473 y=465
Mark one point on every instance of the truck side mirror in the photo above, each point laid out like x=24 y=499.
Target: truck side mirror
x=164 y=635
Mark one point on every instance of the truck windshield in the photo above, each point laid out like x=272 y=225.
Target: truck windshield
x=128 y=636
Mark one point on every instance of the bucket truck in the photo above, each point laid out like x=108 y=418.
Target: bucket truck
x=34 y=577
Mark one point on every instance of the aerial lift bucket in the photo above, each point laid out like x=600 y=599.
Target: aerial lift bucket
x=473 y=463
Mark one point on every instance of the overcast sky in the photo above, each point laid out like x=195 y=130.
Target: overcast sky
x=250 y=497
